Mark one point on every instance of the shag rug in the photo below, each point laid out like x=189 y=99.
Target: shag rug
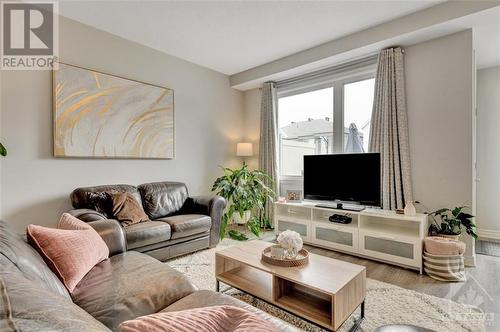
x=385 y=303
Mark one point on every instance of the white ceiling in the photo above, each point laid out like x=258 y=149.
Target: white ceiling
x=232 y=36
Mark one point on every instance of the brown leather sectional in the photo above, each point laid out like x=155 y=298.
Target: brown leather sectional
x=127 y=285
x=179 y=224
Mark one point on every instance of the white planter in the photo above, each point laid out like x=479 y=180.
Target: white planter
x=241 y=221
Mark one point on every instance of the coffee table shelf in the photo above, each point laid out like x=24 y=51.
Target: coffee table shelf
x=326 y=291
x=250 y=280
x=314 y=308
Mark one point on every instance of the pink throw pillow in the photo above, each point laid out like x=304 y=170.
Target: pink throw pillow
x=208 y=319
x=71 y=250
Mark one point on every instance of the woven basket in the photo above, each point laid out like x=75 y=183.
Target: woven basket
x=301 y=259
x=445 y=267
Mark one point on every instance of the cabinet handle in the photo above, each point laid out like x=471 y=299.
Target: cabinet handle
x=292 y=212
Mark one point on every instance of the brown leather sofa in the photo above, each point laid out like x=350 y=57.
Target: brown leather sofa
x=125 y=286
x=179 y=224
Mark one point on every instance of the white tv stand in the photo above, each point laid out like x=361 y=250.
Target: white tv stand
x=373 y=233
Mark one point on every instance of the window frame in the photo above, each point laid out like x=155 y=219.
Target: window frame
x=337 y=82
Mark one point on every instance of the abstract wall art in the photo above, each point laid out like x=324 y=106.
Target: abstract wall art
x=99 y=115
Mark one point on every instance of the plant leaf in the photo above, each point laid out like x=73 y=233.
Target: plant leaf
x=3 y=150
x=235 y=235
x=456 y=211
x=254 y=226
x=464 y=216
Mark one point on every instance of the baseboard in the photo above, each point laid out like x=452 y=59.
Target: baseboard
x=485 y=234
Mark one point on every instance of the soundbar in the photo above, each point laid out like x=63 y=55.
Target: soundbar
x=341 y=219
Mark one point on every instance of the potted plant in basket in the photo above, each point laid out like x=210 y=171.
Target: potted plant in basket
x=244 y=190
x=452 y=222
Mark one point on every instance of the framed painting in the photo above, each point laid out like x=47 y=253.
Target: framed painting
x=98 y=115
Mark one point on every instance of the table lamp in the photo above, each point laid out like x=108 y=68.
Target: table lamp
x=244 y=150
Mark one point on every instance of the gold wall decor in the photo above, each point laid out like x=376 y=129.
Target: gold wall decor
x=105 y=116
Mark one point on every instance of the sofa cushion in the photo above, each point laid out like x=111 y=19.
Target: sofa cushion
x=206 y=298
x=187 y=224
x=71 y=250
x=146 y=233
x=26 y=306
x=209 y=319
x=14 y=248
x=129 y=285
x=80 y=198
x=161 y=199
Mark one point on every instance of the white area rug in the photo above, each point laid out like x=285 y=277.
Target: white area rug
x=385 y=303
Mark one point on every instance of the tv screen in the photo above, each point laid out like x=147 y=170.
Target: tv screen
x=346 y=177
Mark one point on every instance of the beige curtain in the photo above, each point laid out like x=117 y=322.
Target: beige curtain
x=269 y=139
x=389 y=129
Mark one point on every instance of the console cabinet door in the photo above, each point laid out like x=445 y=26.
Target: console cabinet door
x=390 y=248
x=335 y=236
x=296 y=212
x=301 y=227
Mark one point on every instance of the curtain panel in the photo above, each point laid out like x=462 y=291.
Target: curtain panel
x=389 y=129
x=268 y=153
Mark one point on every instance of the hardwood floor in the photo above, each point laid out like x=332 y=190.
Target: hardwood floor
x=481 y=289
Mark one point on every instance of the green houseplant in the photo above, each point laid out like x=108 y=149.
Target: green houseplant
x=244 y=190
x=451 y=222
x=3 y=150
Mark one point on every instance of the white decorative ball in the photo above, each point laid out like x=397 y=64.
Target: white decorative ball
x=290 y=240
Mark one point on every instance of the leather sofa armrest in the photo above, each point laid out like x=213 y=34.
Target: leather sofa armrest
x=112 y=233
x=212 y=206
x=87 y=215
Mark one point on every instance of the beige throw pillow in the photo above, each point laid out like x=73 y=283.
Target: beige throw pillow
x=126 y=209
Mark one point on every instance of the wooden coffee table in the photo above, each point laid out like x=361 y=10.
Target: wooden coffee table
x=325 y=292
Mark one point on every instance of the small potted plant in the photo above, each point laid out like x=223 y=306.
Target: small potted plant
x=244 y=190
x=3 y=150
x=451 y=223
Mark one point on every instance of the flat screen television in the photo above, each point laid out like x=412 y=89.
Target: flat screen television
x=350 y=177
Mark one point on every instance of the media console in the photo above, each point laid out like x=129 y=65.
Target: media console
x=373 y=233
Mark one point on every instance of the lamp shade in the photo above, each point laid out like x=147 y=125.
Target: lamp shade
x=244 y=149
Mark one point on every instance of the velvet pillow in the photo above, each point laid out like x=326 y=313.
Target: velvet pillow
x=71 y=250
x=208 y=319
x=126 y=209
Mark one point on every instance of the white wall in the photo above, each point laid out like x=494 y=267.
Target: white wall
x=439 y=89
x=252 y=99
x=488 y=153
x=35 y=186
x=439 y=100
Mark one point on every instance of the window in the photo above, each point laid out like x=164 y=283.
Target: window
x=358 y=103
x=332 y=117
x=305 y=127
